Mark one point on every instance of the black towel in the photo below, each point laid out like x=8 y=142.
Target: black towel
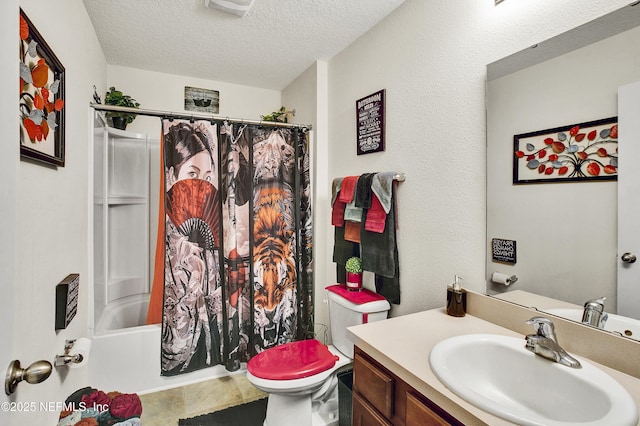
x=343 y=250
x=380 y=256
x=363 y=191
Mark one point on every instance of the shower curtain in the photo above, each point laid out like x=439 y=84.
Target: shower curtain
x=237 y=243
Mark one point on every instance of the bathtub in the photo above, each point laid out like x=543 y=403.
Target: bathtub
x=128 y=361
x=130 y=311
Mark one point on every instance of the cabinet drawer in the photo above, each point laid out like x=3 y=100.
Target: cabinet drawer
x=375 y=384
x=420 y=414
x=364 y=415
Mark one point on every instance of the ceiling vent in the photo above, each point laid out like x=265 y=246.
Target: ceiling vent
x=235 y=7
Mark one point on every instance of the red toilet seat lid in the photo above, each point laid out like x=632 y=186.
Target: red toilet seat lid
x=294 y=360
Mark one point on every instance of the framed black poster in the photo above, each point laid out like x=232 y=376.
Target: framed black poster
x=370 y=123
x=503 y=250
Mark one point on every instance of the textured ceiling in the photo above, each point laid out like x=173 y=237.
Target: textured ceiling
x=268 y=48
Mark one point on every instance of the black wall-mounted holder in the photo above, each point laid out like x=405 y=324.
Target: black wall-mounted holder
x=67 y=300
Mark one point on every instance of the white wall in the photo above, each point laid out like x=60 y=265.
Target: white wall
x=165 y=92
x=8 y=176
x=49 y=215
x=430 y=56
x=570 y=228
x=308 y=95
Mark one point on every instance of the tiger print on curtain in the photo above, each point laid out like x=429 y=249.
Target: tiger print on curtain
x=238 y=242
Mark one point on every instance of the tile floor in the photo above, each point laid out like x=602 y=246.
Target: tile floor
x=165 y=408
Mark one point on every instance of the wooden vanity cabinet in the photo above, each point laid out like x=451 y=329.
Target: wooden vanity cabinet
x=382 y=398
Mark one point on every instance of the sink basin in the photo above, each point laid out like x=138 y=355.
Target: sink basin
x=498 y=375
x=627 y=327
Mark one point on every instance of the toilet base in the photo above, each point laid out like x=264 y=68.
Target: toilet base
x=302 y=410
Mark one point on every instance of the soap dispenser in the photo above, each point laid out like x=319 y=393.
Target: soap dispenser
x=456 y=299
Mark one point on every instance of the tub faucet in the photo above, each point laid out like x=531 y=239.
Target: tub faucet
x=545 y=343
x=594 y=313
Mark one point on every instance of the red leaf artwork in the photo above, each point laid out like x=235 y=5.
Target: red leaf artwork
x=593 y=169
x=584 y=151
x=24 y=29
x=40 y=74
x=558 y=147
x=38 y=102
x=33 y=130
x=41 y=98
x=45 y=128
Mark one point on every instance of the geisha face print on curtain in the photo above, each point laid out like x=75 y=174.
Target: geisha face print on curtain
x=237 y=243
x=192 y=284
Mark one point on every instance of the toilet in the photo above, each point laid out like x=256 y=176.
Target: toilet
x=301 y=377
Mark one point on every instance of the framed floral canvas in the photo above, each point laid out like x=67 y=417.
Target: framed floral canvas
x=578 y=152
x=41 y=98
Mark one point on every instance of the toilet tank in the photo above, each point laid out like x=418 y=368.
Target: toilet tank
x=348 y=308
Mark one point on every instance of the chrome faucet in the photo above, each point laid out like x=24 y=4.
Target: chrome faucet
x=545 y=343
x=594 y=313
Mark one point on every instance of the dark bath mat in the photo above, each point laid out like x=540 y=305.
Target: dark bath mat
x=249 y=414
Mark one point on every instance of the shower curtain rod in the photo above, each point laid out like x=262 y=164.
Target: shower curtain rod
x=183 y=116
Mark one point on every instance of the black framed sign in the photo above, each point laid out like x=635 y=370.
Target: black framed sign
x=370 y=123
x=503 y=250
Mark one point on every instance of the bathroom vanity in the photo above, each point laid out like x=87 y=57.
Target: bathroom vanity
x=395 y=385
x=382 y=398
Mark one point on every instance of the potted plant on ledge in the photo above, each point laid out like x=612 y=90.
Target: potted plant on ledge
x=354 y=273
x=115 y=97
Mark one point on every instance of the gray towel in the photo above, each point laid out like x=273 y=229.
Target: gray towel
x=353 y=213
x=382 y=186
x=336 y=184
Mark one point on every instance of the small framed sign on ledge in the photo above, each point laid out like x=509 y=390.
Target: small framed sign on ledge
x=370 y=123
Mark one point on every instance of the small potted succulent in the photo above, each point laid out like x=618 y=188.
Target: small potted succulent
x=117 y=98
x=354 y=273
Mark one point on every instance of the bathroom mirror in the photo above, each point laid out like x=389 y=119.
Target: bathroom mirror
x=565 y=233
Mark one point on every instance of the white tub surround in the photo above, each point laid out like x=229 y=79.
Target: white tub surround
x=402 y=345
x=130 y=311
x=128 y=361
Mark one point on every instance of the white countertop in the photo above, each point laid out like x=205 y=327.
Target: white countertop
x=402 y=344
